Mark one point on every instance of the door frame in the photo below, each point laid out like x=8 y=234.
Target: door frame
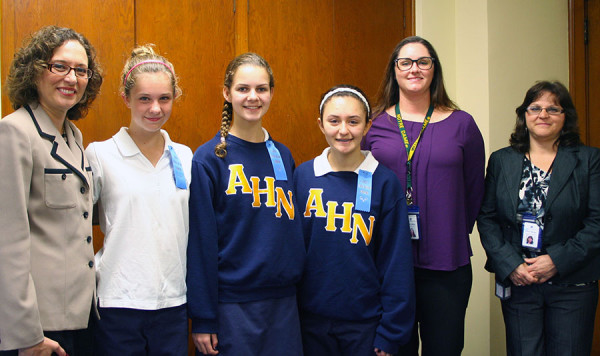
x=578 y=64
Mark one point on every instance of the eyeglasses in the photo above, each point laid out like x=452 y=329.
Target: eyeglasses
x=423 y=63
x=551 y=110
x=63 y=69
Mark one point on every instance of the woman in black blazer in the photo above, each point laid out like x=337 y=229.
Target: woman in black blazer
x=545 y=185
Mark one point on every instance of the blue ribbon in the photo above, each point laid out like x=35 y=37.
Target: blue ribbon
x=177 y=170
x=276 y=161
x=363 y=191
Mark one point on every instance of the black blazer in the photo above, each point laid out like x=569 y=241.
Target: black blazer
x=572 y=222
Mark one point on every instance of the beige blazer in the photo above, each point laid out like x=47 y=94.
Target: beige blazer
x=47 y=277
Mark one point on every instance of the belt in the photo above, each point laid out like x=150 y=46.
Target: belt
x=586 y=284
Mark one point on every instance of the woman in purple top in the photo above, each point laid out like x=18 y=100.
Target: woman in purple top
x=438 y=154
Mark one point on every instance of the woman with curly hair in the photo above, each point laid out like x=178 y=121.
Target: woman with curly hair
x=47 y=278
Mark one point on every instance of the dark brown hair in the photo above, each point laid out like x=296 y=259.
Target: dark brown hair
x=389 y=91
x=366 y=105
x=30 y=61
x=569 y=135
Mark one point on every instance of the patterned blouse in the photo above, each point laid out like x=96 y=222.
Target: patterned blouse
x=533 y=191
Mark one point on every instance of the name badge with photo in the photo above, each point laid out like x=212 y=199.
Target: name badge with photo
x=414 y=222
x=532 y=233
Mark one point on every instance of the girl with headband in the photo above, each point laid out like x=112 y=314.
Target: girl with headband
x=357 y=293
x=141 y=185
x=245 y=252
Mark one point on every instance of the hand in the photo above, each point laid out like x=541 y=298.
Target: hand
x=44 y=348
x=542 y=268
x=206 y=343
x=521 y=276
x=380 y=352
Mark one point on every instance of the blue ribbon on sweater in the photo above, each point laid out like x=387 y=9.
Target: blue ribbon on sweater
x=364 y=187
x=276 y=161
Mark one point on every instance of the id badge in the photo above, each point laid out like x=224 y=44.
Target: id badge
x=532 y=233
x=503 y=291
x=414 y=222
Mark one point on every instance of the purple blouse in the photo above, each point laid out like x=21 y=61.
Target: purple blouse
x=448 y=182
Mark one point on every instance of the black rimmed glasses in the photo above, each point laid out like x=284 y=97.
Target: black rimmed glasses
x=64 y=70
x=550 y=110
x=423 y=63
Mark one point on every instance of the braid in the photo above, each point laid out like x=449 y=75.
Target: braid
x=227 y=115
x=221 y=148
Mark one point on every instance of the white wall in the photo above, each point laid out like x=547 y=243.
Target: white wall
x=1 y=64
x=492 y=52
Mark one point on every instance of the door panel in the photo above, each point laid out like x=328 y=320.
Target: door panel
x=593 y=73
x=365 y=34
x=593 y=106
x=296 y=38
x=198 y=38
x=584 y=74
x=312 y=46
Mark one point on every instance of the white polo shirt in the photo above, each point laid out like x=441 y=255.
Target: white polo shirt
x=144 y=217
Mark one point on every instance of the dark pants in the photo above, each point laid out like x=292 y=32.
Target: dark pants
x=267 y=328
x=323 y=336
x=546 y=319
x=74 y=342
x=442 y=299
x=124 y=331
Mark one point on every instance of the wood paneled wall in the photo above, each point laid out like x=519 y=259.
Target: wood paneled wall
x=311 y=46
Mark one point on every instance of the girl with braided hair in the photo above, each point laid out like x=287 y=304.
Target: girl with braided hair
x=245 y=248
x=141 y=181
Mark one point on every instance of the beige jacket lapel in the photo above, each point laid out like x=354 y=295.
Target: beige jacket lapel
x=70 y=155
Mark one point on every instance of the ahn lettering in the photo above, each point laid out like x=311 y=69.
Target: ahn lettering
x=275 y=196
x=350 y=222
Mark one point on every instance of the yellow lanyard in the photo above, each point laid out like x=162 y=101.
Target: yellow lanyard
x=410 y=150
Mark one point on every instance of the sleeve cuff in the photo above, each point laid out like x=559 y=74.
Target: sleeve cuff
x=204 y=326
x=385 y=345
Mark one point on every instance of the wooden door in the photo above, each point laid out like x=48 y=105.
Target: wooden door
x=198 y=38
x=311 y=46
x=584 y=77
x=314 y=45
x=584 y=66
x=593 y=73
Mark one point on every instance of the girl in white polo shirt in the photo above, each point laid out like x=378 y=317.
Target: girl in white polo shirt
x=141 y=181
